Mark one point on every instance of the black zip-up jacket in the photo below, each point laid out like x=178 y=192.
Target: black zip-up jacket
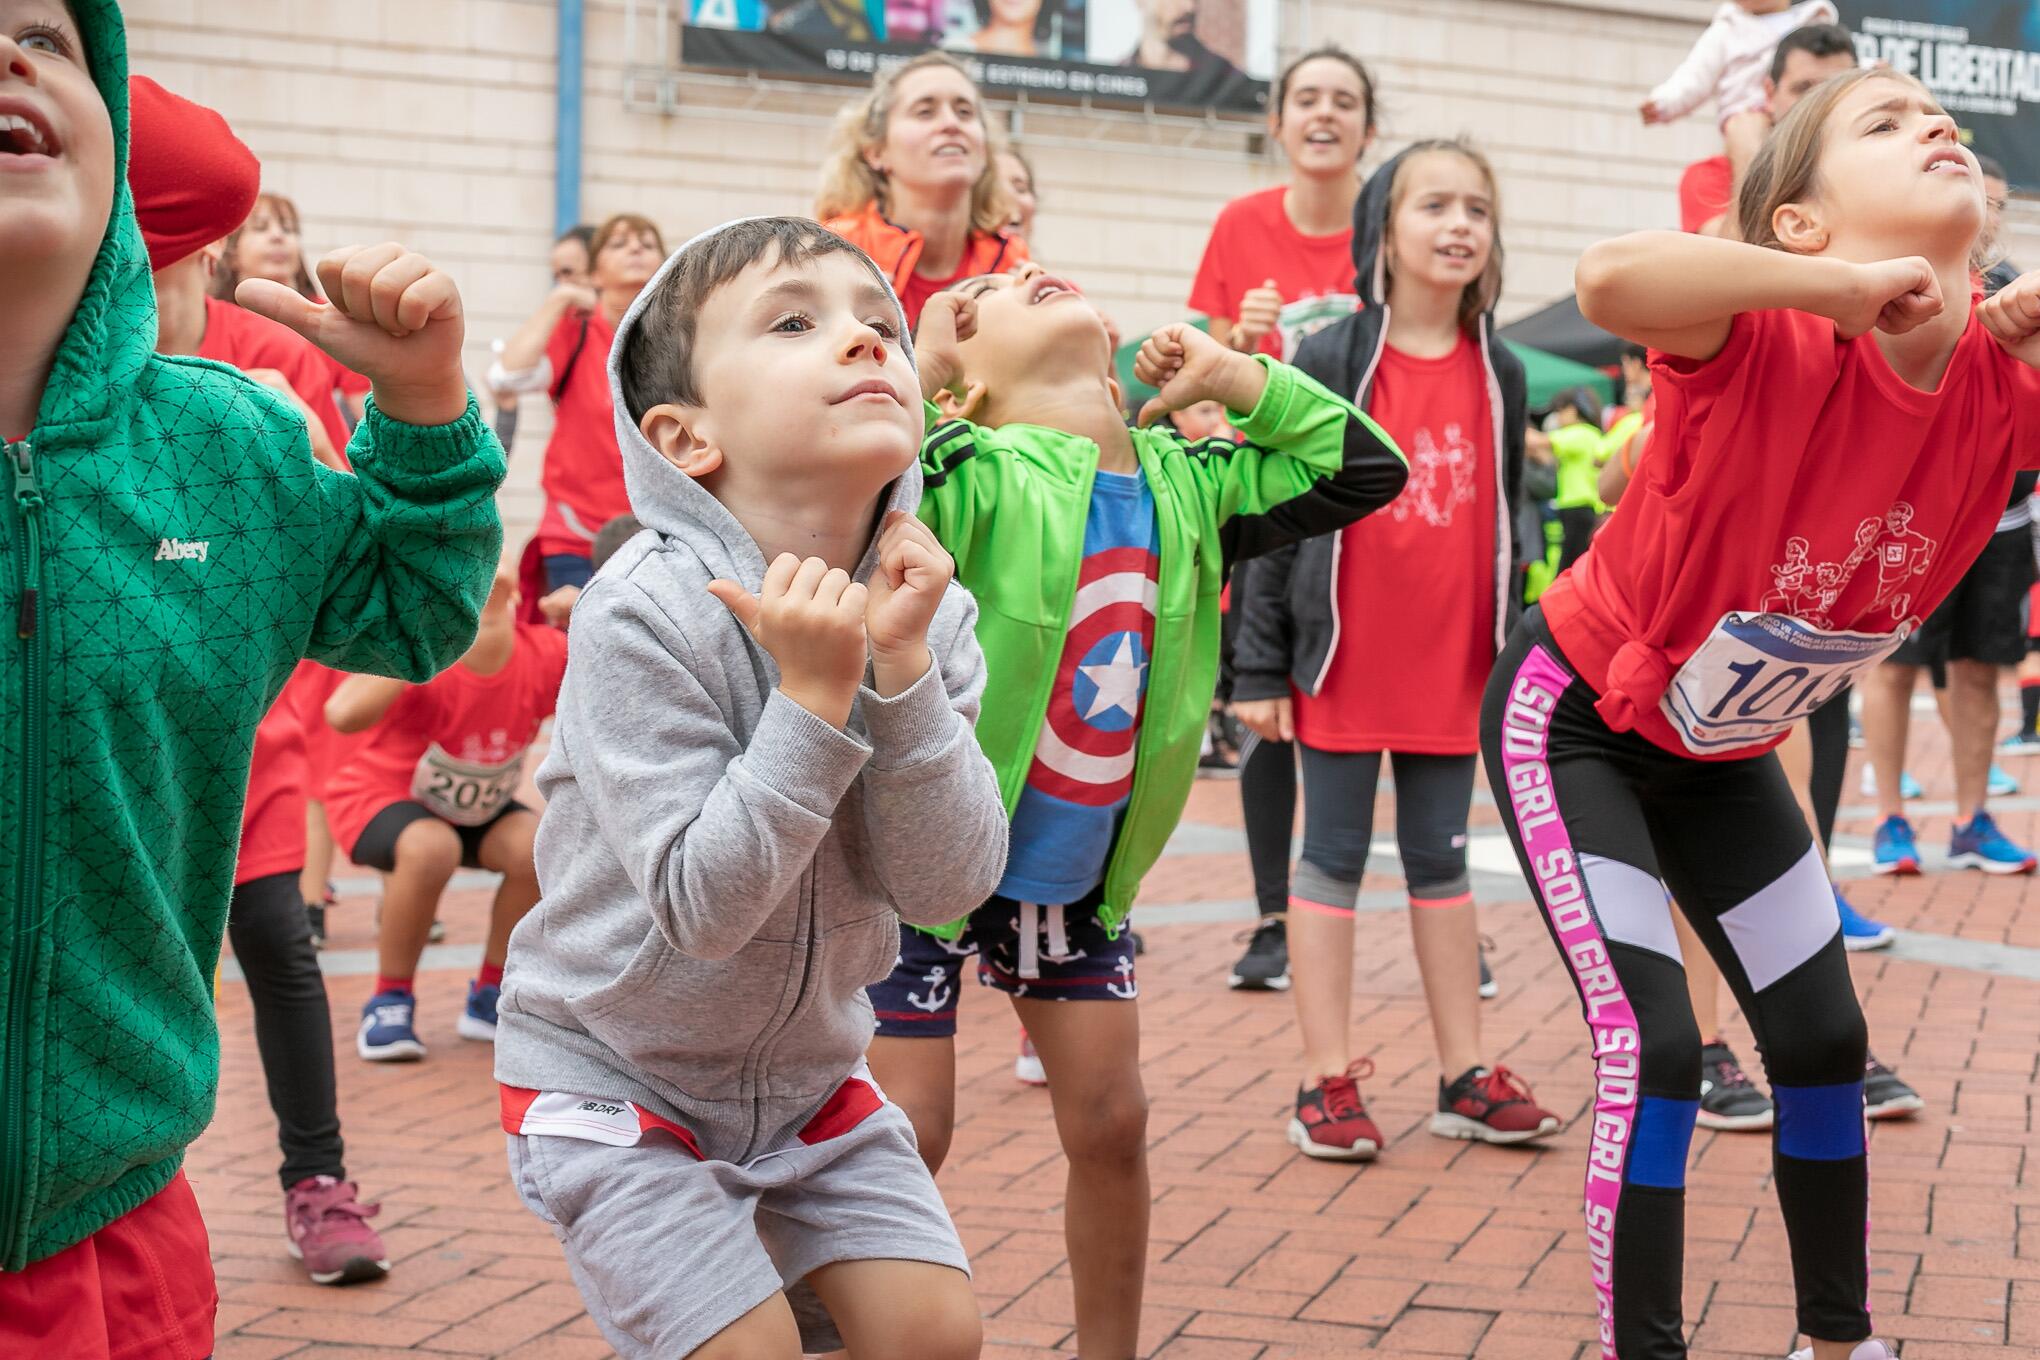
x=1288 y=615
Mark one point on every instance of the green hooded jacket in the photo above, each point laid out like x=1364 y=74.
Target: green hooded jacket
x=172 y=550
x=1010 y=505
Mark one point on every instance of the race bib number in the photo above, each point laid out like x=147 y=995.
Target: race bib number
x=462 y=792
x=1757 y=674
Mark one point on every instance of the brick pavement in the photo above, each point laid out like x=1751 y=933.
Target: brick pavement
x=1439 y=1249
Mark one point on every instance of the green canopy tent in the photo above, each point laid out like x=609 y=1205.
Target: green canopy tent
x=1547 y=374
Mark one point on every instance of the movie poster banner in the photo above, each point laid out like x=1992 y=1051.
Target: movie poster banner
x=1981 y=58
x=1216 y=55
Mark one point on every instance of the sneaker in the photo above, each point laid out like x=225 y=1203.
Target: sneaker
x=1728 y=1098
x=1885 y=1096
x=478 y=1021
x=1908 y=787
x=2019 y=744
x=1856 y=742
x=1489 y=988
x=1265 y=965
x=315 y=917
x=1859 y=932
x=1027 y=1068
x=437 y=933
x=1490 y=1106
x=2000 y=784
x=387 y=1033
x=1868 y=1350
x=326 y=1227
x=1892 y=849
x=1331 y=1123
x=1980 y=845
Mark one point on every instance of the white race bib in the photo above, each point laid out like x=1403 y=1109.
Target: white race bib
x=463 y=792
x=1757 y=674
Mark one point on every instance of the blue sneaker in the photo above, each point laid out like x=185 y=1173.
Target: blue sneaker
x=2020 y=744
x=1908 y=787
x=1980 y=845
x=478 y=1021
x=1859 y=932
x=387 y=1033
x=1892 y=850
x=2001 y=785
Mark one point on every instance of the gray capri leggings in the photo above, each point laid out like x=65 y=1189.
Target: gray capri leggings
x=1433 y=795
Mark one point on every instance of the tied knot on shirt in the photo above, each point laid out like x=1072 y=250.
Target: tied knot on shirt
x=1638 y=676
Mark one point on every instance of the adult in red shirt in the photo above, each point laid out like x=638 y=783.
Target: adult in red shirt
x=1278 y=266
x=1838 y=422
x=912 y=181
x=193 y=179
x=1804 y=58
x=564 y=350
x=1373 y=644
x=432 y=789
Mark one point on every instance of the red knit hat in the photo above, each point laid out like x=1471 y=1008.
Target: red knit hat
x=193 y=180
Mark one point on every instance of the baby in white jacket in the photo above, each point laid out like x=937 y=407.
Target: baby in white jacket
x=1730 y=63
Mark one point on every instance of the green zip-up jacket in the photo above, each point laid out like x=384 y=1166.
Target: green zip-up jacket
x=1010 y=505
x=172 y=550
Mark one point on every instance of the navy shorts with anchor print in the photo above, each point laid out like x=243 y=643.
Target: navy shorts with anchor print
x=1024 y=949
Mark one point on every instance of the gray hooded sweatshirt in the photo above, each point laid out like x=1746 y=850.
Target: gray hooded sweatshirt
x=722 y=872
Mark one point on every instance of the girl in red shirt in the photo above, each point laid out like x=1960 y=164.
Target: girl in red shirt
x=1838 y=424
x=564 y=350
x=1376 y=641
x=1278 y=266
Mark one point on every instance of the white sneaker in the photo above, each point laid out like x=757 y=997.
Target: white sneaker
x=1027 y=1068
x=1868 y=1350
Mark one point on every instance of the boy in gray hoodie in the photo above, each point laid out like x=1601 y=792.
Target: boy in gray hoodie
x=763 y=763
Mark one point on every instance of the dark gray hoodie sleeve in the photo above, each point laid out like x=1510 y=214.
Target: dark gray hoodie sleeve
x=932 y=813
x=713 y=832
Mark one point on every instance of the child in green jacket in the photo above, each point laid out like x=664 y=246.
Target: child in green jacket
x=1097 y=554
x=172 y=551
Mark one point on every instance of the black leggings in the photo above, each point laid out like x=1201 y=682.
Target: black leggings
x=1432 y=797
x=1268 y=800
x=1604 y=823
x=1828 y=728
x=293 y=1022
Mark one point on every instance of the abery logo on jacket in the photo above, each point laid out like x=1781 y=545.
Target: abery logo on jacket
x=177 y=550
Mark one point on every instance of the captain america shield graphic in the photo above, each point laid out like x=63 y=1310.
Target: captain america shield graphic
x=1085 y=754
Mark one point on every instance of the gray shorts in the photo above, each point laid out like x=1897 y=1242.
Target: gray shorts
x=669 y=1250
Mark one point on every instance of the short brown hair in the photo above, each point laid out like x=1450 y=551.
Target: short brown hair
x=657 y=364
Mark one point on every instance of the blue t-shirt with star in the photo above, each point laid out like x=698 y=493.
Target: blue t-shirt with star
x=1082 y=773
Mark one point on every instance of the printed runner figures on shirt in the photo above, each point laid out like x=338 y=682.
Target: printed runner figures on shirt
x=1808 y=591
x=1442 y=478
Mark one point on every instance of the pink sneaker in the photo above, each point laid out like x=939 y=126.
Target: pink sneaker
x=327 y=1229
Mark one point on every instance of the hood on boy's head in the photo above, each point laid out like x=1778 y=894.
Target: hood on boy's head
x=113 y=331
x=667 y=500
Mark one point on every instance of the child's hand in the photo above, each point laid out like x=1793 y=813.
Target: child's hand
x=809 y=616
x=913 y=571
x=1892 y=296
x=558 y=606
x=1652 y=114
x=2012 y=316
x=1189 y=366
x=393 y=316
x=576 y=297
x=1269 y=719
x=947 y=320
x=1260 y=310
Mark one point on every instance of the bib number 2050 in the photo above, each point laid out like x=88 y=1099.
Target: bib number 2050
x=1757 y=674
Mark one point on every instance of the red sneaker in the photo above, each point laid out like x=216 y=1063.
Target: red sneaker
x=328 y=1231
x=1490 y=1106
x=1330 y=1121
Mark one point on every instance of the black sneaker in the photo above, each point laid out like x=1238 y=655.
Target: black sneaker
x=1265 y=965
x=315 y=916
x=1728 y=1098
x=1885 y=1096
x=1489 y=988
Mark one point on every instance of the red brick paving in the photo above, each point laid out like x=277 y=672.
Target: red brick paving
x=1439 y=1249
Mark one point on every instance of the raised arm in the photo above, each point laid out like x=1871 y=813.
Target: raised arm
x=1678 y=293
x=361 y=701
x=524 y=349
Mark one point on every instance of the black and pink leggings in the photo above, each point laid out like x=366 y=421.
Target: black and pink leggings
x=1605 y=824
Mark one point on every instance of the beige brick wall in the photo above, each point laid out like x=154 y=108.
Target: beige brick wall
x=431 y=121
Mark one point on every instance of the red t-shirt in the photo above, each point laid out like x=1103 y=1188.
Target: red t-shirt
x=1416 y=579
x=455 y=744
x=919 y=289
x=1703 y=192
x=237 y=336
x=273 y=821
x=1794 y=474
x=1253 y=241
x=141 y=1288
x=583 y=477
